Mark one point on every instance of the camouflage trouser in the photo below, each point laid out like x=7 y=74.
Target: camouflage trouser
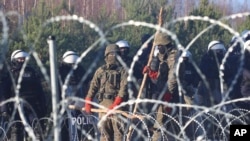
x=160 y=119
x=112 y=128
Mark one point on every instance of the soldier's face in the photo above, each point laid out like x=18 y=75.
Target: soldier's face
x=111 y=58
x=161 y=49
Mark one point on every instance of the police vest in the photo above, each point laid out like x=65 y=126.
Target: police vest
x=29 y=88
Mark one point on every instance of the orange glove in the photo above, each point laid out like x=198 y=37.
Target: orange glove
x=118 y=100
x=167 y=97
x=87 y=105
x=152 y=74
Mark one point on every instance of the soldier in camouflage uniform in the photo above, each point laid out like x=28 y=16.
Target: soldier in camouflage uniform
x=109 y=84
x=164 y=77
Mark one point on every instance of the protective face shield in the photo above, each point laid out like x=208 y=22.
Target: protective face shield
x=70 y=57
x=124 y=47
x=216 y=48
x=186 y=56
x=18 y=58
x=245 y=35
x=235 y=45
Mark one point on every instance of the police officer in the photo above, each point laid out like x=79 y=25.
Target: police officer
x=69 y=131
x=124 y=50
x=189 y=88
x=109 y=84
x=209 y=66
x=211 y=95
x=165 y=77
x=245 y=83
x=68 y=61
x=30 y=90
x=234 y=61
x=4 y=117
x=190 y=78
x=3 y=108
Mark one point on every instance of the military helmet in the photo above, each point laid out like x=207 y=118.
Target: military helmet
x=111 y=48
x=161 y=39
x=215 y=45
x=122 y=43
x=70 y=57
x=18 y=54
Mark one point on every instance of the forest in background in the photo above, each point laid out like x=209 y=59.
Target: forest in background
x=26 y=29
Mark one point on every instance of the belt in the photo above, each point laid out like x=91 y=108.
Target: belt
x=108 y=96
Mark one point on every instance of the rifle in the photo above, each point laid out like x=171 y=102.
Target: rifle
x=133 y=116
x=160 y=23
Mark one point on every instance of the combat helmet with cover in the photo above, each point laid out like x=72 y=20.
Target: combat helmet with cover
x=111 y=48
x=162 y=39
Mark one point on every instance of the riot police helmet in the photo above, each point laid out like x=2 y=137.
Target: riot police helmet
x=70 y=57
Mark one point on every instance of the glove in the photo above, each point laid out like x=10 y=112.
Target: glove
x=87 y=105
x=167 y=97
x=118 y=100
x=146 y=69
x=152 y=74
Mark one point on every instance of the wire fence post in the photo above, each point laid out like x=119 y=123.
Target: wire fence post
x=54 y=86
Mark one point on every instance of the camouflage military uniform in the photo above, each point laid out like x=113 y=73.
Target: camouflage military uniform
x=108 y=84
x=166 y=81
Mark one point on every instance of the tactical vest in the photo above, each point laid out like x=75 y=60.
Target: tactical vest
x=28 y=89
x=109 y=83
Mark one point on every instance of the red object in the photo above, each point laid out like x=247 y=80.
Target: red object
x=88 y=105
x=118 y=100
x=167 y=97
x=152 y=74
x=146 y=69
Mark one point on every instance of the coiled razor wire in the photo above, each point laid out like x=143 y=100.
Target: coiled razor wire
x=99 y=44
